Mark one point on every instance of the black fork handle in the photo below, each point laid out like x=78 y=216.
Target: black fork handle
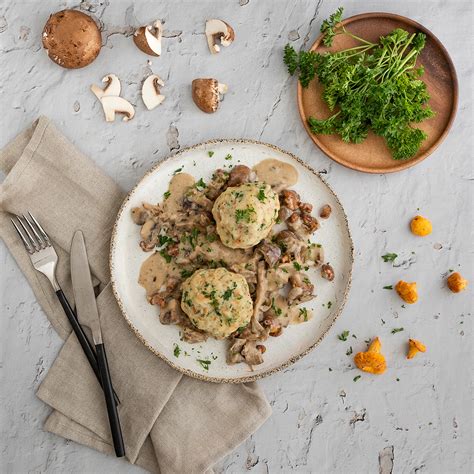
x=82 y=338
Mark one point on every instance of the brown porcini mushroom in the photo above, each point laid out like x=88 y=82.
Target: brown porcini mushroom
x=72 y=39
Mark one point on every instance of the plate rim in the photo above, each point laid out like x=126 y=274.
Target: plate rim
x=188 y=372
x=403 y=164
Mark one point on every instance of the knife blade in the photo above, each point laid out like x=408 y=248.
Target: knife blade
x=86 y=307
x=88 y=315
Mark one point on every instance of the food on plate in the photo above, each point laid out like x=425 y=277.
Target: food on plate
x=414 y=347
x=151 y=91
x=217 y=301
x=111 y=102
x=245 y=214
x=371 y=86
x=407 y=291
x=421 y=226
x=148 y=38
x=372 y=360
x=208 y=286
x=218 y=30
x=207 y=94
x=72 y=39
x=327 y=272
x=325 y=212
x=456 y=283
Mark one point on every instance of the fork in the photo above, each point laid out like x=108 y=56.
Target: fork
x=44 y=259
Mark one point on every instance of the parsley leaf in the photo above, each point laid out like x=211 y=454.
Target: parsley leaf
x=388 y=287
x=261 y=195
x=210 y=154
x=166 y=195
x=204 y=363
x=343 y=336
x=244 y=214
x=176 y=350
x=356 y=378
x=389 y=257
x=395 y=330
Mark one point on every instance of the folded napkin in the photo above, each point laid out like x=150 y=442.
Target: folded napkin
x=170 y=422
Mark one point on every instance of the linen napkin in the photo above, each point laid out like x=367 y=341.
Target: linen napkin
x=171 y=423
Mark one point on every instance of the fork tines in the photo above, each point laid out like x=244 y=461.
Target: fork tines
x=33 y=236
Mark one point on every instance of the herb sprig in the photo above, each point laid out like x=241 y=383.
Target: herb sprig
x=373 y=86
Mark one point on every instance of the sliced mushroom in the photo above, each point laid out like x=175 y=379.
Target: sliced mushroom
x=218 y=30
x=148 y=38
x=270 y=251
x=151 y=91
x=112 y=88
x=117 y=105
x=207 y=94
x=251 y=354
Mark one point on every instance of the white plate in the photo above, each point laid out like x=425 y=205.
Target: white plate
x=126 y=258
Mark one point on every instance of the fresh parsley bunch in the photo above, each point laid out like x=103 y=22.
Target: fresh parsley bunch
x=370 y=86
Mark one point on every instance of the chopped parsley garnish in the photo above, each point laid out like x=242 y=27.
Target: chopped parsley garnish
x=200 y=184
x=177 y=171
x=166 y=255
x=395 y=330
x=166 y=195
x=329 y=304
x=297 y=265
x=164 y=240
x=244 y=214
x=192 y=237
x=186 y=273
x=304 y=313
x=349 y=351
x=275 y=308
x=176 y=350
x=343 y=336
x=228 y=157
x=204 y=363
x=241 y=329
x=356 y=378
x=261 y=195
x=388 y=287
x=211 y=237
x=210 y=154
x=389 y=257
x=228 y=293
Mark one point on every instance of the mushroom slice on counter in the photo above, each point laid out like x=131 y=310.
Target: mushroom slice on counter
x=112 y=88
x=207 y=94
x=151 y=92
x=218 y=30
x=117 y=105
x=148 y=38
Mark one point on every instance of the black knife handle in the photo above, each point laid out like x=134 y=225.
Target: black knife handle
x=81 y=336
x=114 y=421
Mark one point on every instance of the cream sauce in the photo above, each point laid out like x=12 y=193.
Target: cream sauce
x=153 y=274
x=179 y=184
x=278 y=174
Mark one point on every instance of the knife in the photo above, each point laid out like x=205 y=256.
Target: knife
x=88 y=315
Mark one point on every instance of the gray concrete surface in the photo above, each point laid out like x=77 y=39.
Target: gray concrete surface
x=417 y=417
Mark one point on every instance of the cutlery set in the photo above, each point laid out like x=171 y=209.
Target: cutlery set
x=44 y=259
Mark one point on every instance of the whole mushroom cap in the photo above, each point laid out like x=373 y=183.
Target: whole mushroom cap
x=72 y=39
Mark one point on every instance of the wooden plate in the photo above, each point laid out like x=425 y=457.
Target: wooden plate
x=373 y=156
x=126 y=258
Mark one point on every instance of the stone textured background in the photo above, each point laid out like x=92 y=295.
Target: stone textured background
x=417 y=417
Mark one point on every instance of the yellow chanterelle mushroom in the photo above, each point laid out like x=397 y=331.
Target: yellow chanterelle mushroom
x=407 y=291
x=372 y=361
x=414 y=347
x=456 y=283
x=421 y=226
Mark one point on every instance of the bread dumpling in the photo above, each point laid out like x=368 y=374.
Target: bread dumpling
x=217 y=301
x=245 y=214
